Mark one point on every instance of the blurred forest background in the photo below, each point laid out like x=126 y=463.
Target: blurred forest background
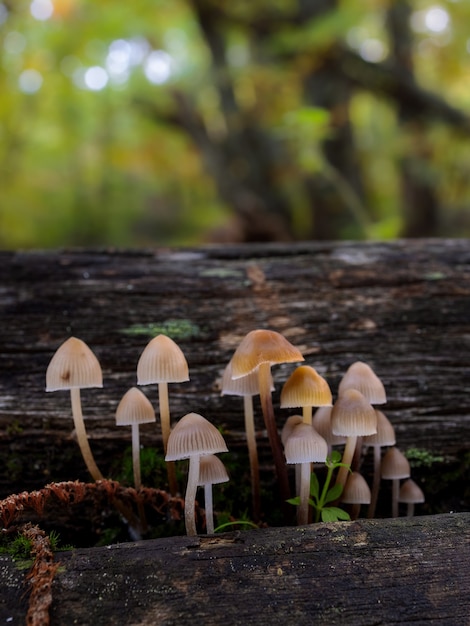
x=184 y=121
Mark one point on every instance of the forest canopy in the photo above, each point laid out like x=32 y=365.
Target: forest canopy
x=183 y=121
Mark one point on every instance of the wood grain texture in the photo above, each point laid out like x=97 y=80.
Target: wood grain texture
x=369 y=572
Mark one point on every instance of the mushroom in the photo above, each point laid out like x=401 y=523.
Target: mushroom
x=321 y=421
x=410 y=493
x=247 y=387
x=356 y=492
x=258 y=351
x=304 y=446
x=395 y=466
x=362 y=377
x=75 y=367
x=211 y=471
x=385 y=436
x=305 y=388
x=191 y=438
x=135 y=409
x=163 y=362
x=352 y=417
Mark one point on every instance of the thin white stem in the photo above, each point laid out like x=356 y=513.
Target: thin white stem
x=348 y=454
x=136 y=455
x=164 y=406
x=209 y=508
x=190 y=497
x=304 y=493
x=410 y=509
x=82 y=436
x=253 y=456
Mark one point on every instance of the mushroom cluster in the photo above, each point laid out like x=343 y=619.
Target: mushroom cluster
x=308 y=439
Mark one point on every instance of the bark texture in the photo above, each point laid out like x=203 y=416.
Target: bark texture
x=369 y=572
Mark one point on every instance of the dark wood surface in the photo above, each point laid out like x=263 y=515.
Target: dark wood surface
x=367 y=573
x=402 y=306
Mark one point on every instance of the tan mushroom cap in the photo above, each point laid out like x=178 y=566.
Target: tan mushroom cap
x=212 y=471
x=193 y=435
x=356 y=490
x=305 y=445
x=162 y=361
x=244 y=386
x=385 y=435
x=395 y=465
x=353 y=415
x=361 y=376
x=410 y=493
x=134 y=408
x=262 y=346
x=305 y=387
x=73 y=366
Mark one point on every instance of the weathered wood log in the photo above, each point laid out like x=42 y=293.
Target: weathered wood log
x=401 y=306
x=403 y=571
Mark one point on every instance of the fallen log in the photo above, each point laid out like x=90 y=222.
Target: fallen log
x=402 y=571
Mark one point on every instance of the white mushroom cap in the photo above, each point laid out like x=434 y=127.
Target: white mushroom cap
x=410 y=493
x=305 y=445
x=395 y=465
x=288 y=427
x=162 y=361
x=353 y=415
x=73 y=366
x=385 y=435
x=321 y=421
x=361 y=376
x=356 y=490
x=193 y=435
x=134 y=408
x=212 y=471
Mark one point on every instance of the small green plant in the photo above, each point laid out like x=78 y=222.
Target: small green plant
x=319 y=499
x=420 y=457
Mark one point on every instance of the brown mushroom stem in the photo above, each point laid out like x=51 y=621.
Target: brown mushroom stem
x=375 y=483
x=190 y=496
x=264 y=371
x=164 y=406
x=395 y=494
x=348 y=454
x=253 y=456
x=354 y=511
x=82 y=436
x=410 y=509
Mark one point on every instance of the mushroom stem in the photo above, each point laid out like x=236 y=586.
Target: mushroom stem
x=410 y=509
x=348 y=454
x=253 y=456
x=136 y=455
x=264 y=371
x=164 y=406
x=190 y=496
x=395 y=494
x=82 y=436
x=304 y=493
x=209 y=509
x=375 y=483
x=307 y=413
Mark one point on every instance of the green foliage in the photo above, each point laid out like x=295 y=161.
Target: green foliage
x=419 y=457
x=319 y=498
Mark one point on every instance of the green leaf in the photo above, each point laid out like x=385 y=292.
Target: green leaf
x=294 y=501
x=334 y=493
x=335 y=457
x=314 y=486
x=334 y=514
